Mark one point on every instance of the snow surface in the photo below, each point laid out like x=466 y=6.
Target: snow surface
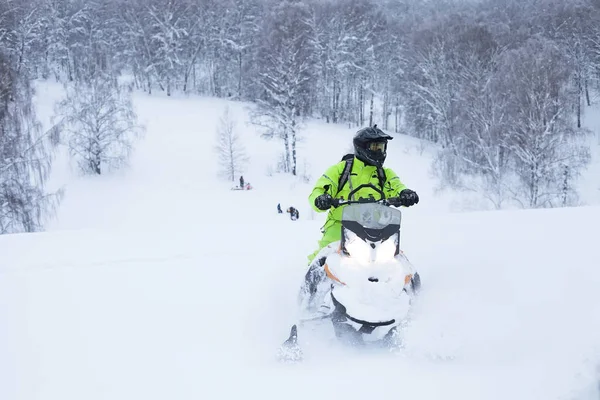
x=589 y=184
x=161 y=283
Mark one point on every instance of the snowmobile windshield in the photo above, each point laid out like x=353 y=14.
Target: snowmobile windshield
x=371 y=215
x=370 y=221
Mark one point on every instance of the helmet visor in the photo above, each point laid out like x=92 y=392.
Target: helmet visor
x=377 y=146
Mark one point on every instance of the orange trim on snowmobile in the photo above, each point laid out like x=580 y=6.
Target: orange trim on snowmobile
x=331 y=276
x=407 y=279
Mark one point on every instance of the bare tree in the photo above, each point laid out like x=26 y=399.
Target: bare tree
x=100 y=124
x=469 y=118
x=541 y=136
x=232 y=155
x=25 y=152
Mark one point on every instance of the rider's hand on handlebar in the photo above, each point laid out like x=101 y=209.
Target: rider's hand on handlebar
x=409 y=197
x=394 y=201
x=324 y=202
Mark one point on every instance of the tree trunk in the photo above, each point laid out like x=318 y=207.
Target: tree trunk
x=69 y=70
x=194 y=77
x=286 y=143
x=334 y=114
x=385 y=110
x=533 y=199
x=136 y=78
x=371 y=109
x=293 y=143
x=397 y=116
x=212 y=79
x=186 y=77
x=361 y=99
x=565 y=186
x=579 y=95
x=337 y=93
x=587 y=93
x=240 y=69
x=578 y=111
x=95 y=165
x=350 y=115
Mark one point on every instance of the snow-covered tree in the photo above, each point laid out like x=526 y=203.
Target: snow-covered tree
x=167 y=41
x=231 y=151
x=541 y=136
x=100 y=125
x=350 y=37
x=28 y=40
x=285 y=75
x=430 y=68
x=25 y=151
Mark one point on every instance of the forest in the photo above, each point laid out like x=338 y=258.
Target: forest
x=499 y=86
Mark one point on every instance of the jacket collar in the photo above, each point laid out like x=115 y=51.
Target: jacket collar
x=359 y=164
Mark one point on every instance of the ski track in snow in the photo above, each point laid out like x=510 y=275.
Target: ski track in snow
x=176 y=287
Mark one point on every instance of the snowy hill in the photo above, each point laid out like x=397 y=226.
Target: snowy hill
x=509 y=297
x=161 y=282
x=178 y=154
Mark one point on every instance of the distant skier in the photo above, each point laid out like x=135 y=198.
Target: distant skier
x=241 y=182
x=294 y=214
x=279 y=210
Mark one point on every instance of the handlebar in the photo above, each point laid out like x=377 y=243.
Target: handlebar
x=382 y=200
x=386 y=202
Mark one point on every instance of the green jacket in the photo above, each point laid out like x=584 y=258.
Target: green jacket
x=361 y=174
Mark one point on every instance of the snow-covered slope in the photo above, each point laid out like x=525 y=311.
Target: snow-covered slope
x=510 y=309
x=174 y=168
x=163 y=283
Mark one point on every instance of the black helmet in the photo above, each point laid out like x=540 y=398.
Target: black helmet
x=370 y=145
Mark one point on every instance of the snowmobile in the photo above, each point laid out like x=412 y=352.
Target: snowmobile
x=364 y=284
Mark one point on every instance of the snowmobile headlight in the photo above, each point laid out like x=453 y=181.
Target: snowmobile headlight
x=386 y=250
x=358 y=249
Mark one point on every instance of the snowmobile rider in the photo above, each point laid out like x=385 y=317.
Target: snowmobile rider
x=370 y=150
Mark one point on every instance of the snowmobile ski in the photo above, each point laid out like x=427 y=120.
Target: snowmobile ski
x=290 y=351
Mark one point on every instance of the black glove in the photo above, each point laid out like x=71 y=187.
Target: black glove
x=324 y=202
x=408 y=197
x=394 y=201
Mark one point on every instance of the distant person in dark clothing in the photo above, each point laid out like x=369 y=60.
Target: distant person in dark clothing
x=294 y=214
x=241 y=182
x=279 y=210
